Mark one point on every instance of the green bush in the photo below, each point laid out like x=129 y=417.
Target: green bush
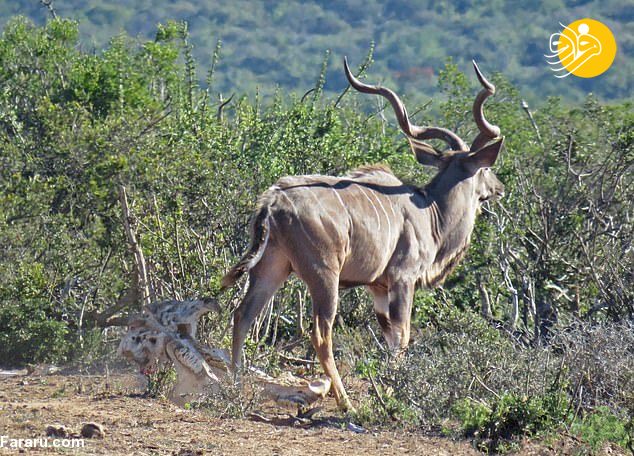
x=510 y=416
x=462 y=368
x=33 y=330
x=601 y=426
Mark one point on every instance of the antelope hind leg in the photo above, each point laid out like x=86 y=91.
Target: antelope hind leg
x=264 y=280
x=325 y=295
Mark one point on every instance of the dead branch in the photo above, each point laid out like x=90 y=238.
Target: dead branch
x=485 y=300
x=533 y=123
x=142 y=284
x=49 y=5
x=222 y=106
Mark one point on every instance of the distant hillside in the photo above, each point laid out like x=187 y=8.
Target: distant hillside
x=268 y=43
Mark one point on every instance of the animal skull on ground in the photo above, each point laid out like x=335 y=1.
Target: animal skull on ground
x=166 y=333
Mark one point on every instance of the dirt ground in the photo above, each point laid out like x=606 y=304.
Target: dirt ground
x=141 y=426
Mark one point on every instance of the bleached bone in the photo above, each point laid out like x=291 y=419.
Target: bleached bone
x=164 y=334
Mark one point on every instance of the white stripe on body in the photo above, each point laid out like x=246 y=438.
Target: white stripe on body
x=387 y=219
x=389 y=200
x=301 y=225
x=340 y=201
x=378 y=217
x=314 y=195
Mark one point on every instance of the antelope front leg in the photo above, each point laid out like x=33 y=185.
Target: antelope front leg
x=400 y=296
x=382 y=310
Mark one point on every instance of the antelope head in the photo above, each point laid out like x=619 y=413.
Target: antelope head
x=463 y=171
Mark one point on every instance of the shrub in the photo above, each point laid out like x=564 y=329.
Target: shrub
x=463 y=368
x=601 y=426
x=509 y=416
x=33 y=330
x=29 y=336
x=464 y=356
x=231 y=400
x=599 y=362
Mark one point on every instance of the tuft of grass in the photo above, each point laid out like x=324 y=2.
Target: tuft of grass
x=160 y=382
x=230 y=401
x=374 y=410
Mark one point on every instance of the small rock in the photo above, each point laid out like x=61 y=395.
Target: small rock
x=355 y=428
x=186 y=452
x=42 y=369
x=57 y=431
x=93 y=431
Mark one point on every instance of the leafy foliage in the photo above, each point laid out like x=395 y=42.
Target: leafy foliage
x=270 y=44
x=602 y=426
x=29 y=333
x=508 y=416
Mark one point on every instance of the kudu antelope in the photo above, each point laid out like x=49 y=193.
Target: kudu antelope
x=369 y=229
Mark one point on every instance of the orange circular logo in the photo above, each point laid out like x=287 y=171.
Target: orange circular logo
x=585 y=48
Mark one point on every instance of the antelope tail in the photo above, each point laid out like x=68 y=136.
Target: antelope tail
x=259 y=239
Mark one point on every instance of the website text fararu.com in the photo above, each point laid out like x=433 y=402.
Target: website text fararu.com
x=8 y=442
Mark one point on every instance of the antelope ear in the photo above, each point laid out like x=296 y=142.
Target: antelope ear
x=426 y=154
x=486 y=156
